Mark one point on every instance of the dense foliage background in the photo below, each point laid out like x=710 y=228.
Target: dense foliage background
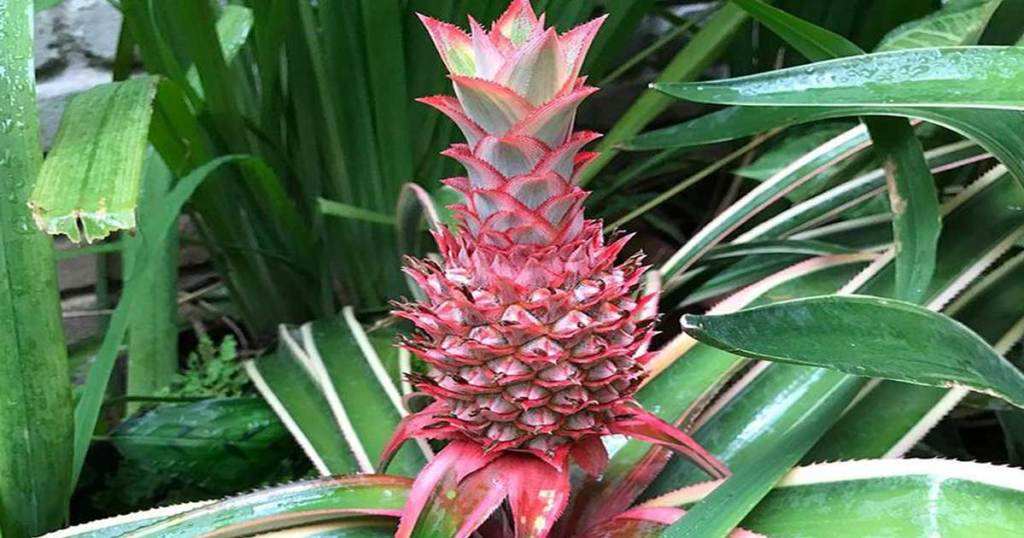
x=304 y=170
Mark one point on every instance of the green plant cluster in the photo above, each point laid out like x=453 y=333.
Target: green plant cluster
x=829 y=194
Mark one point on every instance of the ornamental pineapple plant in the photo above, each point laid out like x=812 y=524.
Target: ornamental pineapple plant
x=535 y=333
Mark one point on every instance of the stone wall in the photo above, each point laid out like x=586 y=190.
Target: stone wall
x=75 y=43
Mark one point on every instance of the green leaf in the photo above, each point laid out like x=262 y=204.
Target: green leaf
x=330 y=385
x=857 y=190
x=233 y=29
x=769 y=191
x=790 y=149
x=866 y=336
x=348 y=498
x=348 y=211
x=300 y=404
x=891 y=418
x=959 y=22
x=913 y=203
x=1001 y=132
x=153 y=331
x=741 y=427
x=35 y=462
x=724 y=508
x=89 y=183
x=197 y=450
x=953 y=77
x=812 y=41
x=885 y=498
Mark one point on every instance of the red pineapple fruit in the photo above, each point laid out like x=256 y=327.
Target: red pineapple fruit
x=536 y=337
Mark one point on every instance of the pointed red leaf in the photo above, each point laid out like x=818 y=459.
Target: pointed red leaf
x=412 y=426
x=647 y=427
x=576 y=42
x=552 y=123
x=538 y=492
x=436 y=486
x=454 y=46
x=450 y=107
x=589 y=453
x=490 y=105
x=517 y=23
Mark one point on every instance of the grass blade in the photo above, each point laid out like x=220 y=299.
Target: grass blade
x=153 y=330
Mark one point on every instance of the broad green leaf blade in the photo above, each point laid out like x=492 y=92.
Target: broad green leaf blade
x=894 y=416
x=209 y=448
x=950 y=77
x=906 y=498
x=959 y=22
x=866 y=336
x=89 y=183
x=35 y=429
x=267 y=510
x=153 y=332
x=1001 y=132
x=814 y=42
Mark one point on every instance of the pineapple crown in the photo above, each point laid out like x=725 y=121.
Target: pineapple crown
x=517 y=88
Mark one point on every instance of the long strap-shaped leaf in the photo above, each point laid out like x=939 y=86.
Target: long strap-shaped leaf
x=267 y=510
x=769 y=191
x=867 y=336
x=884 y=498
x=327 y=382
x=36 y=398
